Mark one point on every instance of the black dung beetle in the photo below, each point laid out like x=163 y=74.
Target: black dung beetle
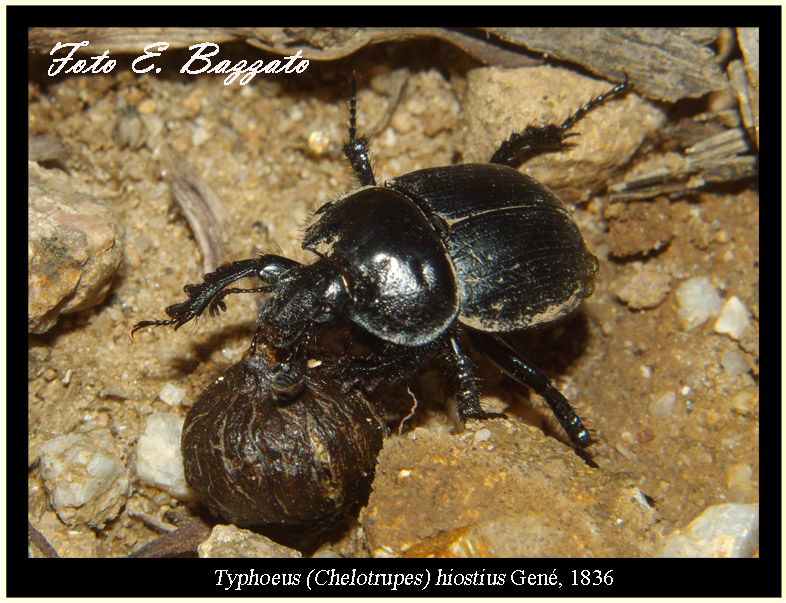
x=480 y=248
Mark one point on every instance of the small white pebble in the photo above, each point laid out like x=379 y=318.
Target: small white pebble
x=733 y=319
x=171 y=394
x=663 y=406
x=158 y=459
x=733 y=363
x=697 y=301
x=721 y=531
x=624 y=451
x=482 y=435
x=296 y=113
x=744 y=401
x=318 y=142
x=199 y=136
x=85 y=477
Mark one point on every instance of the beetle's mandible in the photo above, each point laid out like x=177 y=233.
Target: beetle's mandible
x=415 y=261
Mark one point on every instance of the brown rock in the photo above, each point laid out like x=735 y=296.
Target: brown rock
x=75 y=245
x=502 y=491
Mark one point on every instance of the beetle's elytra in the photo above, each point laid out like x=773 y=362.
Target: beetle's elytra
x=418 y=260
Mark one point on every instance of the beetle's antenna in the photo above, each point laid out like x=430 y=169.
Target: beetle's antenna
x=356 y=148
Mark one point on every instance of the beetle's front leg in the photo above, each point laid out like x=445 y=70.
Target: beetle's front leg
x=511 y=363
x=212 y=290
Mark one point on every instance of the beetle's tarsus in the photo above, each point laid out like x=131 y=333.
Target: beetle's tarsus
x=151 y=323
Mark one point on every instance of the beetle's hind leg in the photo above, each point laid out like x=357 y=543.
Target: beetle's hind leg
x=509 y=361
x=356 y=147
x=551 y=137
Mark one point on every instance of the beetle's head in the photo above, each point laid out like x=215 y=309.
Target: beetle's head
x=304 y=296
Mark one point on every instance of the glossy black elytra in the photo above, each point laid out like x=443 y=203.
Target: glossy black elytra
x=416 y=260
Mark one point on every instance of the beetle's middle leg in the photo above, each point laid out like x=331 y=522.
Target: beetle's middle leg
x=464 y=385
x=388 y=364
